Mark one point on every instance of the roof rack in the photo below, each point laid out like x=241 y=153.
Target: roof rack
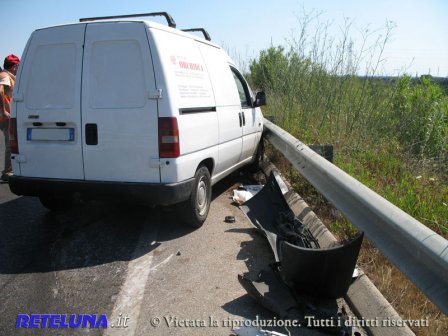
x=206 y=34
x=168 y=17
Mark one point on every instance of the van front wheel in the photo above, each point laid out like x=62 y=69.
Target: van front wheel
x=195 y=209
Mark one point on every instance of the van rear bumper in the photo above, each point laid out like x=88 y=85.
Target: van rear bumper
x=154 y=193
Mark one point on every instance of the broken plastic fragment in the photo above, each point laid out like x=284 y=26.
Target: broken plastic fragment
x=245 y=193
x=305 y=268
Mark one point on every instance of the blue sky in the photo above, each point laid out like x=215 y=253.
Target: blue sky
x=418 y=44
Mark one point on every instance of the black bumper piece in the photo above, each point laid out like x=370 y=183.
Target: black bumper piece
x=317 y=272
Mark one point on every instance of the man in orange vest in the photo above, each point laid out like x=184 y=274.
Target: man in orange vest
x=7 y=79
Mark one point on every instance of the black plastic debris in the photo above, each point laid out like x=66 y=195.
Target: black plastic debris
x=263 y=209
x=294 y=231
x=304 y=266
x=323 y=272
x=229 y=219
x=272 y=293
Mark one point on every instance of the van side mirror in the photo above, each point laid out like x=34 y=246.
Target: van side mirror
x=260 y=99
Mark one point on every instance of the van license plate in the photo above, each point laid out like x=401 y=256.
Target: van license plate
x=50 y=134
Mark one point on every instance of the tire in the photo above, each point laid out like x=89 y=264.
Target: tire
x=54 y=203
x=196 y=208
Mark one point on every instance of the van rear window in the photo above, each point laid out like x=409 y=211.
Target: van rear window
x=51 y=83
x=116 y=76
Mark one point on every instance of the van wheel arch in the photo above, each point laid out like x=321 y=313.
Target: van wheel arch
x=258 y=157
x=209 y=164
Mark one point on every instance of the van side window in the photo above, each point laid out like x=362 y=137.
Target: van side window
x=243 y=89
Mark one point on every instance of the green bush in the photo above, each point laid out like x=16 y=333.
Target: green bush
x=386 y=131
x=420 y=116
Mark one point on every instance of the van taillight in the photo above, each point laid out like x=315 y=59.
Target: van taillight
x=13 y=143
x=169 y=143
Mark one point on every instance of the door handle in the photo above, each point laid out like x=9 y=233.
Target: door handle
x=244 y=119
x=91 y=134
x=241 y=119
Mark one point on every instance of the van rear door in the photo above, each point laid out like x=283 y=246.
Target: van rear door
x=119 y=109
x=47 y=99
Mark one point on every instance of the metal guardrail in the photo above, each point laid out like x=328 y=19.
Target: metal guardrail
x=416 y=250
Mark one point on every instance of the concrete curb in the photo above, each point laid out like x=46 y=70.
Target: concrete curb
x=375 y=314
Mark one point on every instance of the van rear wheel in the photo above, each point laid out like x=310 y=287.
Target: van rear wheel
x=196 y=208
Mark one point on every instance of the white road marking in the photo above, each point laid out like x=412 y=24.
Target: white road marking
x=129 y=300
x=154 y=268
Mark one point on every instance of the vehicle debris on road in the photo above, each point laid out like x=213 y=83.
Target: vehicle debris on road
x=306 y=278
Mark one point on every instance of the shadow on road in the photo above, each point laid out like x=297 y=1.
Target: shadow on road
x=35 y=240
x=257 y=255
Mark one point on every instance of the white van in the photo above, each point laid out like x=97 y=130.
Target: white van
x=133 y=109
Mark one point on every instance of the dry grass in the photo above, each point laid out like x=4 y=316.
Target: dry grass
x=406 y=299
